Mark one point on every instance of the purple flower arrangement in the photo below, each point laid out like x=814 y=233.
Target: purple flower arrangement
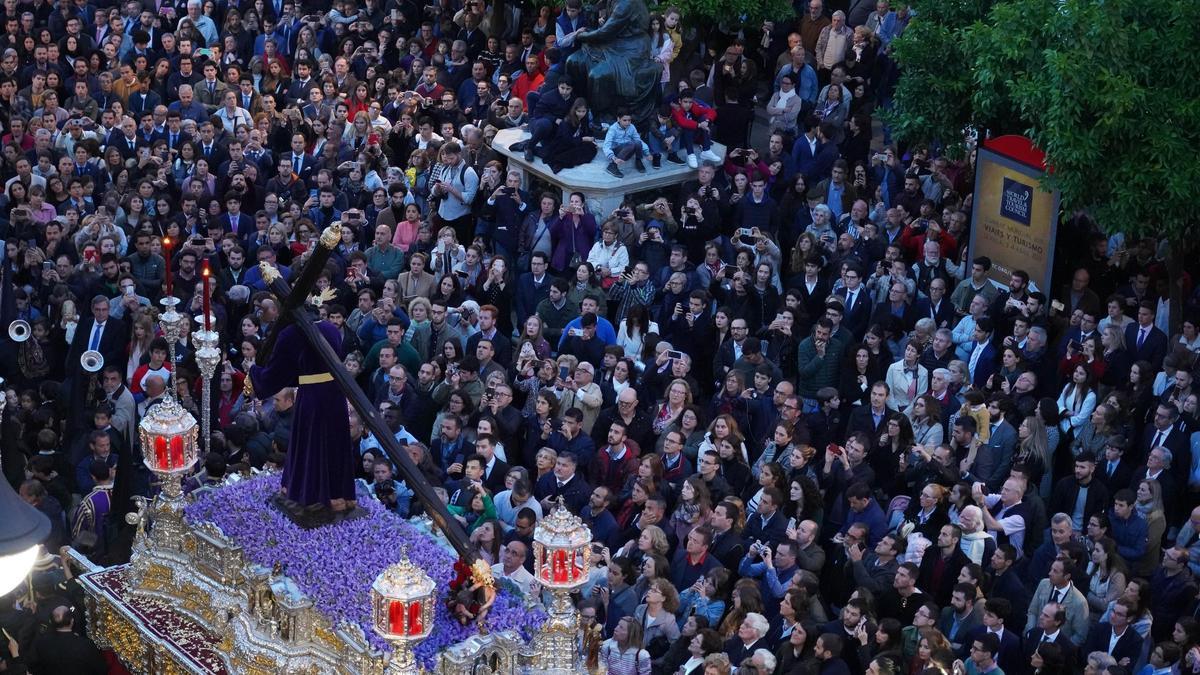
x=335 y=565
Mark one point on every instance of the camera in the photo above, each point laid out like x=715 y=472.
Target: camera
x=490 y=392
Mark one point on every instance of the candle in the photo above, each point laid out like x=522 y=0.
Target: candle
x=560 y=565
x=396 y=617
x=206 y=273
x=161 y=458
x=166 y=244
x=177 y=452
x=414 y=618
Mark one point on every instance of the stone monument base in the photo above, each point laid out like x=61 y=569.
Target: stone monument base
x=605 y=191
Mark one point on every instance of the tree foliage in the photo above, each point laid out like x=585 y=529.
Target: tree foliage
x=1106 y=88
x=730 y=13
x=933 y=96
x=1110 y=95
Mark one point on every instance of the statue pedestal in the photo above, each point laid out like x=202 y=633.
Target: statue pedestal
x=604 y=191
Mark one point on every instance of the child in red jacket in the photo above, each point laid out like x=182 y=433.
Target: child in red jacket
x=694 y=120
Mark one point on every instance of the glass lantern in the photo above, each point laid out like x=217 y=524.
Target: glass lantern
x=561 y=543
x=402 y=607
x=169 y=438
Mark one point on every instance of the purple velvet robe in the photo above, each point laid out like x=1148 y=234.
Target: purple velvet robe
x=320 y=458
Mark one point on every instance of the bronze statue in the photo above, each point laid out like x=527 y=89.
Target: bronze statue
x=613 y=67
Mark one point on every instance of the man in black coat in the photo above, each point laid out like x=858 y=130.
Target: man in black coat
x=62 y=650
x=1064 y=497
x=941 y=564
x=563 y=482
x=101 y=333
x=727 y=546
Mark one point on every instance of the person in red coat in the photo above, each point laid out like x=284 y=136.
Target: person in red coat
x=616 y=461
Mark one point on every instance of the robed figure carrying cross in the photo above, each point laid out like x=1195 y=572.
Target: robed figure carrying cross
x=320 y=460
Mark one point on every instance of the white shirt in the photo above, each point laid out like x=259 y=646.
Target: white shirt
x=521 y=576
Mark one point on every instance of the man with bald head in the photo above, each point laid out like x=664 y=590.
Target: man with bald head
x=62 y=650
x=155 y=388
x=637 y=422
x=512 y=565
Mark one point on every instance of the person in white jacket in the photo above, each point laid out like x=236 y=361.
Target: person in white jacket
x=609 y=256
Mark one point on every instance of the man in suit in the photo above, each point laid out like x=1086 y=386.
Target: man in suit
x=961 y=617
x=871 y=418
x=1115 y=471
x=1144 y=340
x=1116 y=636
x=124 y=138
x=1163 y=433
x=856 y=302
x=981 y=362
x=234 y=220
x=731 y=350
x=247 y=98
x=1005 y=582
x=1057 y=587
x=563 y=482
x=994 y=458
x=935 y=306
x=1008 y=643
x=1086 y=330
x=1050 y=629
x=532 y=287
x=210 y=92
x=101 y=333
x=495 y=469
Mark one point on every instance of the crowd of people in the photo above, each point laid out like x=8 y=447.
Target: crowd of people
x=808 y=432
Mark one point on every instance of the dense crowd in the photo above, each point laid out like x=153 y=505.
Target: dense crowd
x=808 y=433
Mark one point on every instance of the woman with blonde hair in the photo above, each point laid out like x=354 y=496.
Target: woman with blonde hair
x=142 y=334
x=723 y=426
x=717 y=664
x=544 y=462
x=928 y=512
x=1033 y=449
x=1149 y=505
x=678 y=398
x=447 y=253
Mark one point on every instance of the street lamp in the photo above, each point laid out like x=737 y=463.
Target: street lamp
x=22 y=529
